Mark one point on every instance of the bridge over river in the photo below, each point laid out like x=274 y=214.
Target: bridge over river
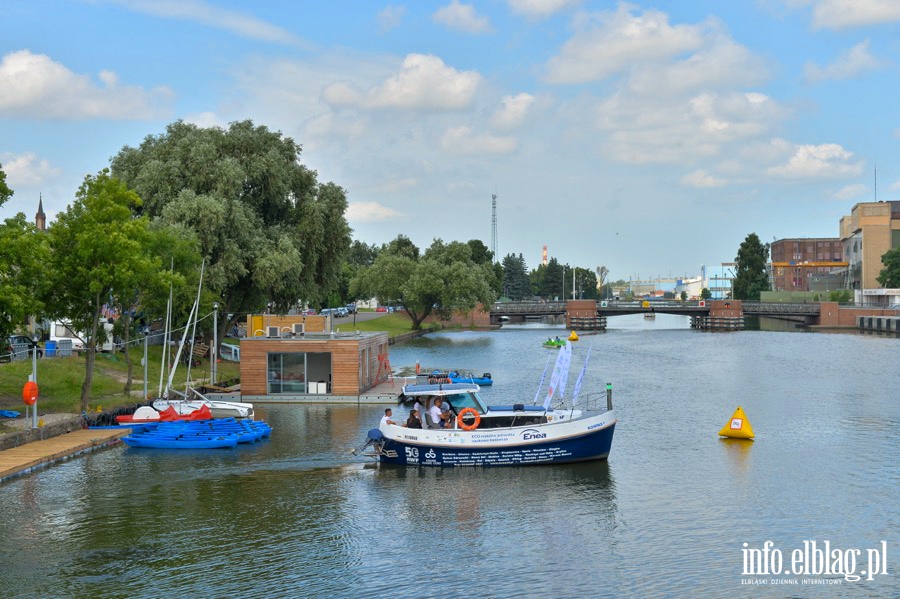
x=709 y=314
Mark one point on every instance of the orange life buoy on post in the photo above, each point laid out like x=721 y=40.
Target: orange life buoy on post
x=461 y=422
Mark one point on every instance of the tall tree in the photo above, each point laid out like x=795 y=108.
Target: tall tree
x=750 y=277
x=516 y=283
x=602 y=275
x=23 y=261
x=889 y=277
x=443 y=280
x=269 y=231
x=97 y=247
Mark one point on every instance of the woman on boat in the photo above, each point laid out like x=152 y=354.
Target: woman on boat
x=413 y=420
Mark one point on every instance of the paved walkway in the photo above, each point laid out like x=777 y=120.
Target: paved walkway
x=38 y=454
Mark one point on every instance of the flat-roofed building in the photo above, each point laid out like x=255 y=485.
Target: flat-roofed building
x=795 y=261
x=870 y=230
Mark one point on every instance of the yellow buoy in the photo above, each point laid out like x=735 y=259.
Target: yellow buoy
x=738 y=427
x=573 y=336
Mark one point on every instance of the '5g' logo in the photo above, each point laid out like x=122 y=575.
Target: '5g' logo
x=412 y=453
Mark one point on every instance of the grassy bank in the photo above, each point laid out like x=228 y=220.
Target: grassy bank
x=60 y=380
x=393 y=324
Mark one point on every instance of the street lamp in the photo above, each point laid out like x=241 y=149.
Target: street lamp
x=214 y=353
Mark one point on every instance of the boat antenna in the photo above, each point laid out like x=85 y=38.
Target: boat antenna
x=165 y=348
x=194 y=330
x=184 y=335
x=580 y=378
x=541 y=384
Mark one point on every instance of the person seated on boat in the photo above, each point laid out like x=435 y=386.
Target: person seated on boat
x=435 y=416
x=413 y=420
x=386 y=419
x=557 y=339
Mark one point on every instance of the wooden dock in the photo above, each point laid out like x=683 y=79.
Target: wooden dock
x=39 y=454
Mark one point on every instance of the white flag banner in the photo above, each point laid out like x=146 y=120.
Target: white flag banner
x=541 y=384
x=564 y=375
x=580 y=378
x=562 y=361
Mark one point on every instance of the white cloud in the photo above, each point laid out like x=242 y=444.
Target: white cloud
x=895 y=186
x=27 y=170
x=848 y=192
x=608 y=42
x=849 y=64
x=461 y=140
x=390 y=17
x=34 y=86
x=512 y=111
x=701 y=178
x=423 y=82
x=367 y=212
x=824 y=161
x=840 y=14
x=462 y=17
x=540 y=9
x=204 y=119
x=236 y=22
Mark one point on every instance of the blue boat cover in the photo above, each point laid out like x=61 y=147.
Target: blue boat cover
x=8 y=414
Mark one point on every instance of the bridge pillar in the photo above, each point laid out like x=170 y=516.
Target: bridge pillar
x=582 y=315
x=724 y=315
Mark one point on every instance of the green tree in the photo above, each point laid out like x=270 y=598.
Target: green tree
x=5 y=192
x=23 y=260
x=516 y=283
x=547 y=280
x=602 y=275
x=269 y=231
x=750 y=277
x=889 y=277
x=684 y=296
x=442 y=281
x=97 y=247
x=705 y=294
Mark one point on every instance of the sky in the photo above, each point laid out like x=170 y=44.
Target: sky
x=648 y=137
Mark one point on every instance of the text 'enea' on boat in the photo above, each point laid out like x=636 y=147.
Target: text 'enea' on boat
x=474 y=434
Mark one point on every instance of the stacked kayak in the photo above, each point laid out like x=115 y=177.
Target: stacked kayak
x=198 y=434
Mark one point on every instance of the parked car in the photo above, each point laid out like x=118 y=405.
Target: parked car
x=381 y=309
x=309 y=312
x=6 y=352
x=351 y=308
x=341 y=312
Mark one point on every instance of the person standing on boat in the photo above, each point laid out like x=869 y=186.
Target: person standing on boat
x=417 y=408
x=386 y=419
x=413 y=420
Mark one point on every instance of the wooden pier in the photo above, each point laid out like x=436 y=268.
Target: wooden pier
x=40 y=454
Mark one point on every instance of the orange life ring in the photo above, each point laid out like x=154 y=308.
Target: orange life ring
x=461 y=422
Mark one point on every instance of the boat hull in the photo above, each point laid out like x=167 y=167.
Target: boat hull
x=500 y=447
x=478 y=380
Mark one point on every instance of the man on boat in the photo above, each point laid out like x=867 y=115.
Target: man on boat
x=436 y=416
x=386 y=419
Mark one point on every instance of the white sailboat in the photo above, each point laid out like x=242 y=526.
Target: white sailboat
x=191 y=399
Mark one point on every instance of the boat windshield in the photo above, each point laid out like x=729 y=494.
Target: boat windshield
x=460 y=401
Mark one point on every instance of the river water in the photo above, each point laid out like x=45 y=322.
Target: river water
x=668 y=514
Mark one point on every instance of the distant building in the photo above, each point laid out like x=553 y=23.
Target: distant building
x=718 y=279
x=795 y=261
x=871 y=229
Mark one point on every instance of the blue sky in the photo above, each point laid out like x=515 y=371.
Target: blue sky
x=649 y=137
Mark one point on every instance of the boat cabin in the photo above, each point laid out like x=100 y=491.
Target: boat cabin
x=460 y=396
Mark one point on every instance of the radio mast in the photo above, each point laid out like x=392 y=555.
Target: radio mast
x=494 y=227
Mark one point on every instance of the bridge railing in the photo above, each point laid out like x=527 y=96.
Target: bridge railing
x=780 y=308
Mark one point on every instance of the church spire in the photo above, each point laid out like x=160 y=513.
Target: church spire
x=40 y=219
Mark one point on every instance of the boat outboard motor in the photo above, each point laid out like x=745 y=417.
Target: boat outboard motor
x=486 y=375
x=374 y=438
x=374 y=435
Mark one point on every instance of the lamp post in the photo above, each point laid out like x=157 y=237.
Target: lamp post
x=214 y=353
x=146 y=331
x=34 y=422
